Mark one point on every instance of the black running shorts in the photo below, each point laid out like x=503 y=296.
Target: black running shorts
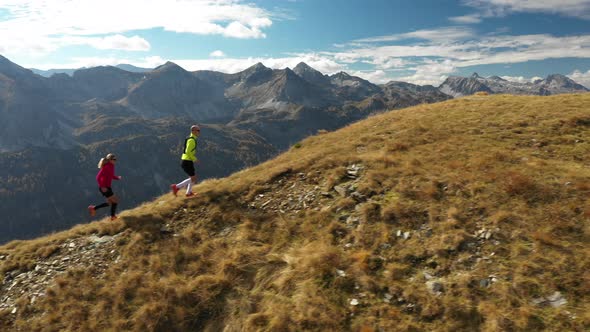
x=188 y=167
x=108 y=193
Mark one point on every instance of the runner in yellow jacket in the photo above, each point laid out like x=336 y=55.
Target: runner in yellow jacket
x=188 y=159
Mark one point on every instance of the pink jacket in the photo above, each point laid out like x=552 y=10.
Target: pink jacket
x=106 y=175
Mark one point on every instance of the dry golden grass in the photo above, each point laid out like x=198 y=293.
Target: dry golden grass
x=518 y=167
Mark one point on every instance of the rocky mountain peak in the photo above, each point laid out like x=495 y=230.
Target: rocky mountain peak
x=12 y=70
x=556 y=77
x=557 y=83
x=303 y=67
x=311 y=75
x=100 y=70
x=287 y=72
x=256 y=68
x=475 y=75
x=341 y=75
x=169 y=67
x=255 y=74
x=497 y=78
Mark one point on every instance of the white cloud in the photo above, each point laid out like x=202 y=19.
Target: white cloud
x=373 y=76
x=442 y=34
x=388 y=62
x=32 y=45
x=581 y=77
x=574 y=8
x=431 y=72
x=460 y=53
x=87 y=62
x=217 y=54
x=115 y=42
x=43 y=26
x=521 y=79
x=466 y=19
x=234 y=65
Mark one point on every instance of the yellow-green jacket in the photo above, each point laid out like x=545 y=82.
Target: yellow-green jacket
x=190 y=149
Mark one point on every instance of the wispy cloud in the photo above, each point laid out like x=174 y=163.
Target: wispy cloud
x=373 y=76
x=88 y=62
x=521 y=79
x=113 y=42
x=217 y=54
x=581 y=77
x=434 y=59
x=442 y=34
x=573 y=8
x=46 y=25
x=324 y=64
x=466 y=19
x=431 y=72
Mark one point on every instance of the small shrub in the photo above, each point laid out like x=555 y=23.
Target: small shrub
x=517 y=184
x=398 y=271
x=504 y=217
x=397 y=147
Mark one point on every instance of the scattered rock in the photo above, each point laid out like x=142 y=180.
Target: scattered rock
x=341 y=190
x=435 y=287
x=341 y=273
x=352 y=221
x=484 y=283
x=92 y=252
x=385 y=246
x=358 y=196
x=353 y=171
x=387 y=298
x=554 y=300
x=100 y=240
x=427 y=275
x=354 y=302
x=484 y=234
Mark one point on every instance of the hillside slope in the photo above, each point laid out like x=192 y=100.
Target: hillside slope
x=467 y=215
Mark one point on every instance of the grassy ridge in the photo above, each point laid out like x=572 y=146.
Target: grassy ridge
x=464 y=214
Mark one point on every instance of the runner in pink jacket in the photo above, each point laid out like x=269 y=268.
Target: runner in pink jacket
x=106 y=175
x=104 y=178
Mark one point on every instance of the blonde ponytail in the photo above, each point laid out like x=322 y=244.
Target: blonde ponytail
x=102 y=162
x=106 y=159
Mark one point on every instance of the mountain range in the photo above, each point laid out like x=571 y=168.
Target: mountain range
x=56 y=128
x=552 y=85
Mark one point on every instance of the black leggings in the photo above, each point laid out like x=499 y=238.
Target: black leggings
x=108 y=193
x=113 y=208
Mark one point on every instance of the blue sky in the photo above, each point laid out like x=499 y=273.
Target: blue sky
x=419 y=41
